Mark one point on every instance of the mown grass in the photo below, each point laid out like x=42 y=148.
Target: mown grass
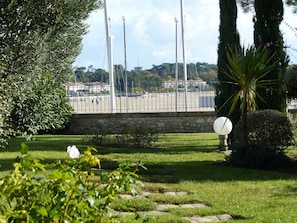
x=183 y=162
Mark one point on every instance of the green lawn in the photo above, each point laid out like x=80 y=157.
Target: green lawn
x=185 y=162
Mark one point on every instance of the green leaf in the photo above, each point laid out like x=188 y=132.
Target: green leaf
x=91 y=200
x=24 y=148
x=42 y=211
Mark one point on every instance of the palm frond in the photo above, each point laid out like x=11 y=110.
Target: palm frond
x=247 y=69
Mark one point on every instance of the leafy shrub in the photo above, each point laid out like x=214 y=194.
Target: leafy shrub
x=125 y=135
x=270 y=132
x=66 y=191
x=267 y=127
x=144 y=136
x=137 y=136
x=258 y=156
x=40 y=107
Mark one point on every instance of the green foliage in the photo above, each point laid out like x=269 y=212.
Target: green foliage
x=270 y=132
x=66 y=191
x=290 y=81
x=186 y=162
x=45 y=108
x=229 y=36
x=82 y=74
x=141 y=79
x=258 y=156
x=267 y=127
x=166 y=70
x=6 y=130
x=125 y=135
x=247 y=70
x=267 y=34
x=150 y=80
x=39 y=40
x=136 y=136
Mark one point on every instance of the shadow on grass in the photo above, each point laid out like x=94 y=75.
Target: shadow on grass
x=105 y=150
x=7 y=164
x=60 y=142
x=167 y=172
x=45 y=142
x=174 y=172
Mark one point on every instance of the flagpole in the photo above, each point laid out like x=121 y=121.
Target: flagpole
x=184 y=55
x=176 y=65
x=110 y=60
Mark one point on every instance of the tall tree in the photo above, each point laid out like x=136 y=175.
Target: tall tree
x=290 y=80
x=228 y=37
x=267 y=34
x=39 y=41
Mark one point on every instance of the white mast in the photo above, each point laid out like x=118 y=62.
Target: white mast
x=184 y=54
x=125 y=58
x=176 y=65
x=110 y=60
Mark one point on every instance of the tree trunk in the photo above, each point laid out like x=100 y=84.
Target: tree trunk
x=244 y=130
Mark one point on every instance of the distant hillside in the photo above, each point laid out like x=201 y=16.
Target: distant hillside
x=204 y=71
x=157 y=74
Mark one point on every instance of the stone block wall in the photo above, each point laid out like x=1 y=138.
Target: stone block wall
x=182 y=122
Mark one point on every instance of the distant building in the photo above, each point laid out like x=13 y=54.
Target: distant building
x=79 y=88
x=190 y=83
x=138 y=68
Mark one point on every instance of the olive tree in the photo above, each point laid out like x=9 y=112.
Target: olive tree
x=39 y=41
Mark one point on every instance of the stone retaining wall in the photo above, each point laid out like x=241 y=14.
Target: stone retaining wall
x=172 y=122
x=184 y=122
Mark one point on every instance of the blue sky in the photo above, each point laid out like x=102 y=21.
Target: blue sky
x=150 y=33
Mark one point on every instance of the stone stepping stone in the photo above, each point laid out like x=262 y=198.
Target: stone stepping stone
x=126 y=196
x=172 y=193
x=196 y=205
x=176 y=193
x=147 y=193
x=218 y=218
x=162 y=207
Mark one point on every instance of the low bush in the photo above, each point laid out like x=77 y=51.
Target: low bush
x=270 y=132
x=259 y=156
x=66 y=191
x=125 y=135
x=267 y=127
x=137 y=136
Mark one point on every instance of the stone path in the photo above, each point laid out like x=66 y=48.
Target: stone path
x=161 y=208
x=223 y=217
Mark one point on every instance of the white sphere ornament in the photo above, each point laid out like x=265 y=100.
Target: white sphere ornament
x=222 y=126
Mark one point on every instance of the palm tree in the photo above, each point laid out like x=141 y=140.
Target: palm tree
x=247 y=69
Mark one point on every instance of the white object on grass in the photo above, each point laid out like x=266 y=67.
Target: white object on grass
x=73 y=151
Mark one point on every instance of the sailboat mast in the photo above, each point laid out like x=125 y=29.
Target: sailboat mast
x=110 y=60
x=125 y=61
x=176 y=65
x=184 y=54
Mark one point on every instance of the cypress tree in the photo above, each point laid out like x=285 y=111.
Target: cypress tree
x=228 y=37
x=267 y=34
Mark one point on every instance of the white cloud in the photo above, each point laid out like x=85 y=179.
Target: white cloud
x=150 y=32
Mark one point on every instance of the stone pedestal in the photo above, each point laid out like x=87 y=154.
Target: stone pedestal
x=223 y=145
